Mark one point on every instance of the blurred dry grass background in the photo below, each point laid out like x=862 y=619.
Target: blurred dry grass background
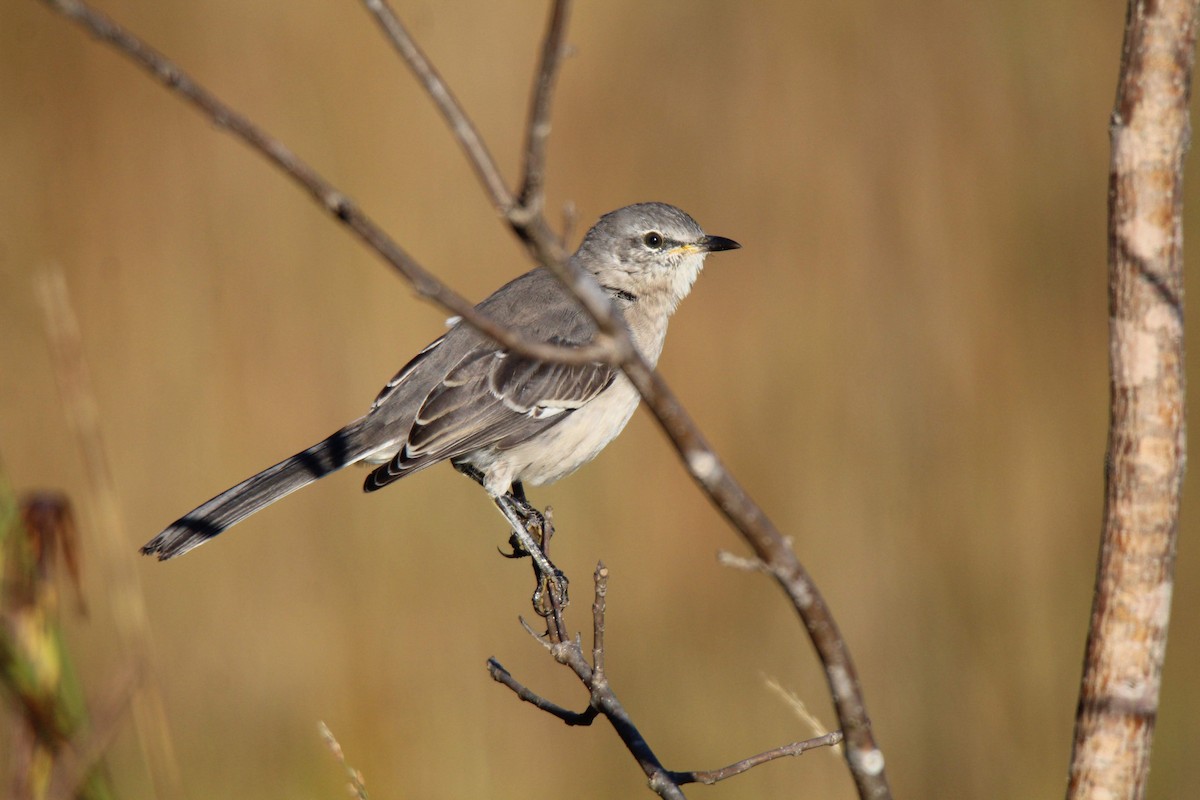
x=917 y=324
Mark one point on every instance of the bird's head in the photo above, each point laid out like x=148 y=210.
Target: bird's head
x=650 y=251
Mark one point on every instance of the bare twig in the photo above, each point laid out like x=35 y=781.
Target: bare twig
x=503 y=676
x=604 y=701
x=464 y=130
x=1144 y=467
x=526 y=220
x=599 y=611
x=524 y=212
x=709 y=777
x=537 y=131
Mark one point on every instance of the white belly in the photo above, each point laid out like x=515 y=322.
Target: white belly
x=563 y=448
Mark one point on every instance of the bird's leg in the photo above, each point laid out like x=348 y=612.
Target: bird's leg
x=527 y=512
x=471 y=472
x=548 y=576
x=531 y=514
x=522 y=517
x=540 y=526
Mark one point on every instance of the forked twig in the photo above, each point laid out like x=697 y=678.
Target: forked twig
x=524 y=213
x=464 y=130
x=502 y=676
x=603 y=701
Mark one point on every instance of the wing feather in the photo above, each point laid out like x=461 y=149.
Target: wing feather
x=492 y=399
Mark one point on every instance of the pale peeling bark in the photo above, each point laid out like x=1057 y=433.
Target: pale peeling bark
x=1118 y=703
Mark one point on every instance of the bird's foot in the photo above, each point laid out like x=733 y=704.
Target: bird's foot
x=533 y=521
x=531 y=533
x=551 y=593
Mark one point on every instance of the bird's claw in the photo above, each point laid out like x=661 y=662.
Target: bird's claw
x=551 y=593
x=515 y=549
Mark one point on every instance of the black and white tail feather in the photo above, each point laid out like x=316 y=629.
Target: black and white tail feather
x=257 y=492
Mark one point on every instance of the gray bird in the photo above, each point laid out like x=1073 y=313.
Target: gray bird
x=502 y=418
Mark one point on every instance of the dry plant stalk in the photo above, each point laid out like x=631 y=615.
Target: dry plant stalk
x=355 y=784
x=124 y=590
x=1118 y=701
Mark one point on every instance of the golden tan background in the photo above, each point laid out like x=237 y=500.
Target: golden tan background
x=916 y=328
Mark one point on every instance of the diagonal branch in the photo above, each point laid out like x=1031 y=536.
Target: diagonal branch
x=465 y=132
x=503 y=676
x=863 y=756
x=525 y=219
x=537 y=131
x=525 y=211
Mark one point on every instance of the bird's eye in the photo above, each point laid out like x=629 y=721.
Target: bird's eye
x=653 y=240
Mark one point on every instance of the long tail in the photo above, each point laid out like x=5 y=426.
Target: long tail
x=233 y=505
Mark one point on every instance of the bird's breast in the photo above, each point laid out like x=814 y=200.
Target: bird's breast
x=560 y=450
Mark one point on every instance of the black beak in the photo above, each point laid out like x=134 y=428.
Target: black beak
x=715 y=244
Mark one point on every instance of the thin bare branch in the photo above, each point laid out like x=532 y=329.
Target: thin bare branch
x=537 y=131
x=570 y=653
x=603 y=700
x=337 y=204
x=863 y=756
x=709 y=777
x=464 y=130
x=503 y=676
x=526 y=221
x=599 y=610
x=1147 y=443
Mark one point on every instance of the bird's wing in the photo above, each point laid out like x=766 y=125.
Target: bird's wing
x=492 y=398
x=407 y=370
